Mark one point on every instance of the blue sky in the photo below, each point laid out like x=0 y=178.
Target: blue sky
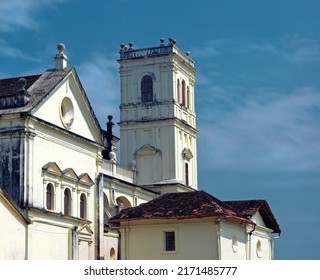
x=257 y=87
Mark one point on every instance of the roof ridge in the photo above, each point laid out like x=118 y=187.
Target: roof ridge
x=240 y=200
x=21 y=76
x=225 y=205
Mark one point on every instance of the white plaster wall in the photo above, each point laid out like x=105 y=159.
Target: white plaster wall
x=258 y=219
x=84 y=250
x=194 y=240
x=109 y=243
x=50 y=110
x=163 y=135
x=12 y=234
x=229 y=230
x=67 y=152
x=48 y=242
x=50 y=146
x=170 y=139
x=265 y=241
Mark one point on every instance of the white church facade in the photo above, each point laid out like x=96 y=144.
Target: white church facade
x=65 y=196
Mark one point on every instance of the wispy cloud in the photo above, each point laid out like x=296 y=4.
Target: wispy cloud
x=7 y=50
x=301 y=49
x=100 y=79
x=21 y=13
x=297 y=49
x=269 y=131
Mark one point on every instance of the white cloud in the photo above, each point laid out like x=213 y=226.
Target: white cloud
x=100 y=79
x=209 y=49
x=295 y=49
x=301 y=49
x=269 y=131
x=264 y=47
x=21 y=13
x=7 y=50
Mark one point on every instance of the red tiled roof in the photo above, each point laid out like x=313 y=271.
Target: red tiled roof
x=247 y=207
x=39 y=86
x=10 y=86
x=251 y=207
x=184 y=205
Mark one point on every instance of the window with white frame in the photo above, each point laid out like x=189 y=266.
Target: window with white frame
x=147 y=89
x=50 y=197
x=67 y=202
x=83 y=206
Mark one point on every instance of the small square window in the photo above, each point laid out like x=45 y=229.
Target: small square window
x=170 y=242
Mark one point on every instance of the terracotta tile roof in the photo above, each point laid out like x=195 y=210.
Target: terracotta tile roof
x=9 y=86
x=183 y=205
x=38 y=86
x=247 y=207
x=251 y=207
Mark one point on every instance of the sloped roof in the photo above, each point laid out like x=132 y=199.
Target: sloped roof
x=9 y=86
x=39 y=87
x=183 y=205
x=251 y=207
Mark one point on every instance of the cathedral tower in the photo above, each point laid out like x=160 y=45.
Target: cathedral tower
x=157 y=116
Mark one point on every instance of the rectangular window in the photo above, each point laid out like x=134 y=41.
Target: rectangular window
x=187 y=173
x=170 y=242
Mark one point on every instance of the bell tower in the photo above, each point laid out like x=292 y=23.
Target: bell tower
x=157 y=116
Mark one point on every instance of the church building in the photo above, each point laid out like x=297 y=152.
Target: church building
x=64 y=195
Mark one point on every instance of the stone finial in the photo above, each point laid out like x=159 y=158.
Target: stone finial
x=61 y=47
x=22 y=82
x=130 y=46
x=187 y=53
x=22 y=97
x=113 y=157
x=161 y=42
x=60 y=58
x=172 y=41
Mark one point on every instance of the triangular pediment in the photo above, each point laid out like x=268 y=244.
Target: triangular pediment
x=67 y=106
x=85 y=233
x=187 y=154
x=85 y=229
x=70 y=174
x=53 y=168
x=85 y=179
x=147 y=150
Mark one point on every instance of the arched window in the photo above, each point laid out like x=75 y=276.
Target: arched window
x=178 y=91
x=146 y=89
x=67 y=202
x=186 y=173
x=188 y=98
x=83 y=206
x=184 y=93
x=124 y=201
x=49 y=196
